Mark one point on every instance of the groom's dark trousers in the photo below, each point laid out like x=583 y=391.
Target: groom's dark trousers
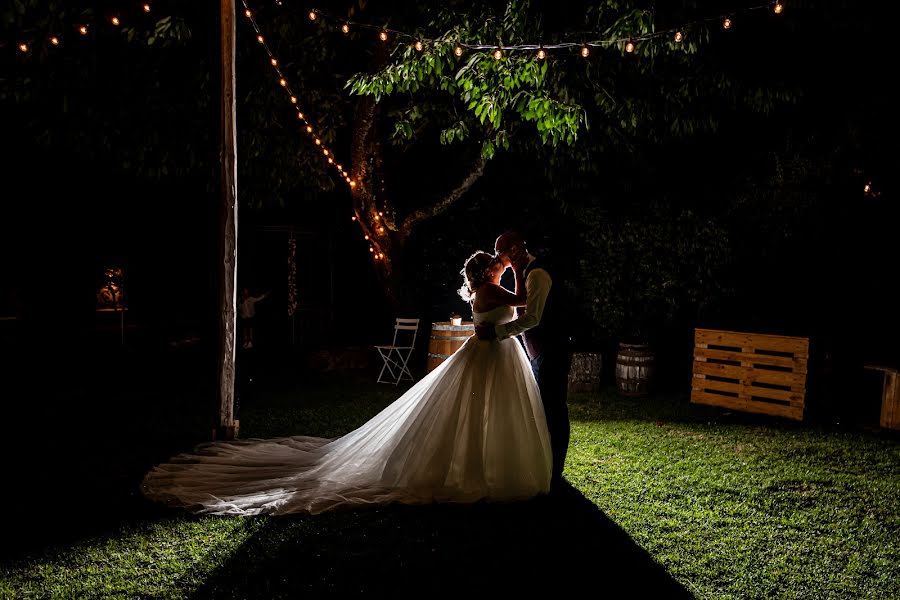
x=551 y=369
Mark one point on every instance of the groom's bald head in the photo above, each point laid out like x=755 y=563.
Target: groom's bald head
x=510 y=247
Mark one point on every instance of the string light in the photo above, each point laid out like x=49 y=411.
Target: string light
x=726 y=24
x=585 y=51
x=147 y=8
x=274 y=62
x=419 y=45
x=867 y=188
x=260 y=39
x=23 y=47
x=498 y=54
x=283 y=82
x=325 y=150
x=678 y=36
x=779 y=7
x=82 y=30
x=54 y=40
x=312 y=15
x=318 y=142
x=294 y=101
x=345 y=28
x=309 y=129
x=383 y=36
x=247 y=13
x=629 y=47
x=458 y=51
x=115 y=21
x=330 y=160
x=353 y=218
x=367 y=236
x=541 y=53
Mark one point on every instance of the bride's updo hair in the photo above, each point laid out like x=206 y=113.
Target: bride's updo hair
x=475 y=273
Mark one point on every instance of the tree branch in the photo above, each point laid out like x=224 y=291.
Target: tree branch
x=423 y=214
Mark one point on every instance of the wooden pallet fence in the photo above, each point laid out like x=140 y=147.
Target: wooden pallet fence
x=750 y=372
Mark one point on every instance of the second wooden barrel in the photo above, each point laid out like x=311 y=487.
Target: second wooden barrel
x=447 y=339
x=635 y=365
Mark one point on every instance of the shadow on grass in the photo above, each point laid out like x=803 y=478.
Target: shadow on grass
x=551 y=544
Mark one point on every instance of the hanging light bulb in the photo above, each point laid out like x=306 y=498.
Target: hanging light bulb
x=23 y=47
x=353 y=218
x=585 y=51
x=54 y=40
x=115 y=20
x=779 y=8
x=458 y=51
x=629 y=47
x=679 y=36
x=299 y=115
x=83 y=30
x=381 y=230
x=367 y=236
x=325 y=151
x=294 y=101
x=330 y=161
x=419 y=45
x=345 y=27
x=318 y=142
x=147 y=9
x=380 y=214
x=274 y=62
x=867 y=188
x=726 y=24
x=371 y=249
x=312 y=15
x=541 y=54
x=259 y=39
x=283 y=82
x=308 y=128
x=498 y=54
x=383 y=36
x=247 y=13
x=339 y=168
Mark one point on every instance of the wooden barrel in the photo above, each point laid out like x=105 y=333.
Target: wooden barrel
x=634 y=369
x=447 y=339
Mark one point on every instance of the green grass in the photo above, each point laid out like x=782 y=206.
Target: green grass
x=731 y=506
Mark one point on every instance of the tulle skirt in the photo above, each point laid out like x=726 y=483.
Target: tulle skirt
x=472 y=429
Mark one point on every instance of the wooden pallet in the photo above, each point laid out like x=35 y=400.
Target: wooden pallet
x=750 y=372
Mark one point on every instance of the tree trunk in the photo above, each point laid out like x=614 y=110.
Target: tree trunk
x=228 y=323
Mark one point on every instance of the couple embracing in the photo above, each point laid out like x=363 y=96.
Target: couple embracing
x=489 y=423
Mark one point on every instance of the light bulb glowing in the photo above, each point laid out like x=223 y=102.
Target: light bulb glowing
x=54 y=40
x=283 y=82
x=247 y=13
x=541 y=54
x=325 y=151
x=779 y=7
x=274 y=62
x=726 y=23
x=867 y=188
x=114 y=20
x=458 y=51
x=352 y=183
x=367 y=237
x=308 y=127
x=294 y=101
x=147 y=8
x=353 y=218
x=23 y=47
x=330 y=161
x=585 y=51
x=312 y=15
x=339 y=168
x=345 y=28
x=318 y=142
x=380 y=214
x=82 y=30
x=381 y=230
x=498 y=54
x=679 y=36
x=419 y=45
x=383 y=36
x=629 y=47
x=371 y=249
x=260 y=39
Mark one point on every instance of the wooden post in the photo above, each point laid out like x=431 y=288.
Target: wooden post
x=228 y=324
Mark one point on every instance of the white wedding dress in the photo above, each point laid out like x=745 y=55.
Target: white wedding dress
x=472 y=429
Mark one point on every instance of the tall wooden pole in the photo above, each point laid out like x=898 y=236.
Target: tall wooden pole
x=228 y=325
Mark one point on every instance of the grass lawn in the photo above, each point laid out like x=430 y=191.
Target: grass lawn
x=668 y=500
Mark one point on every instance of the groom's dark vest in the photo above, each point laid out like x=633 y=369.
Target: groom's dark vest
x=551 y=335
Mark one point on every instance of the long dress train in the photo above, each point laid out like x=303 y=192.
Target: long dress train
x=474 y=428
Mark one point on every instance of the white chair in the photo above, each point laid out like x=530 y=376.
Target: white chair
x=396 y=357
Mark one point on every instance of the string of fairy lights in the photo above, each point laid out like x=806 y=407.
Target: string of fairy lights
x=376 y=229
x=628 y=44
x=370 y=233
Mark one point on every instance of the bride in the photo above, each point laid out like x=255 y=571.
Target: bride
x=472 y=429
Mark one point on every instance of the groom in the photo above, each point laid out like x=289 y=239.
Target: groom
x=543 y=329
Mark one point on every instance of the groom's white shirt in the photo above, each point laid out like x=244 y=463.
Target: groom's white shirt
x=537 y=286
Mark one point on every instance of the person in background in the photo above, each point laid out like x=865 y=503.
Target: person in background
x=247 y=311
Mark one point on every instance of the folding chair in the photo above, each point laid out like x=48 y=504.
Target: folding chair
x=396 y=358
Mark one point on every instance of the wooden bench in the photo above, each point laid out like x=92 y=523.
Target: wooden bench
x=890 y=397
x=750 y=372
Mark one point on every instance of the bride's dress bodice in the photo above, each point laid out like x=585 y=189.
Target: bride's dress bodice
x=497 y=316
